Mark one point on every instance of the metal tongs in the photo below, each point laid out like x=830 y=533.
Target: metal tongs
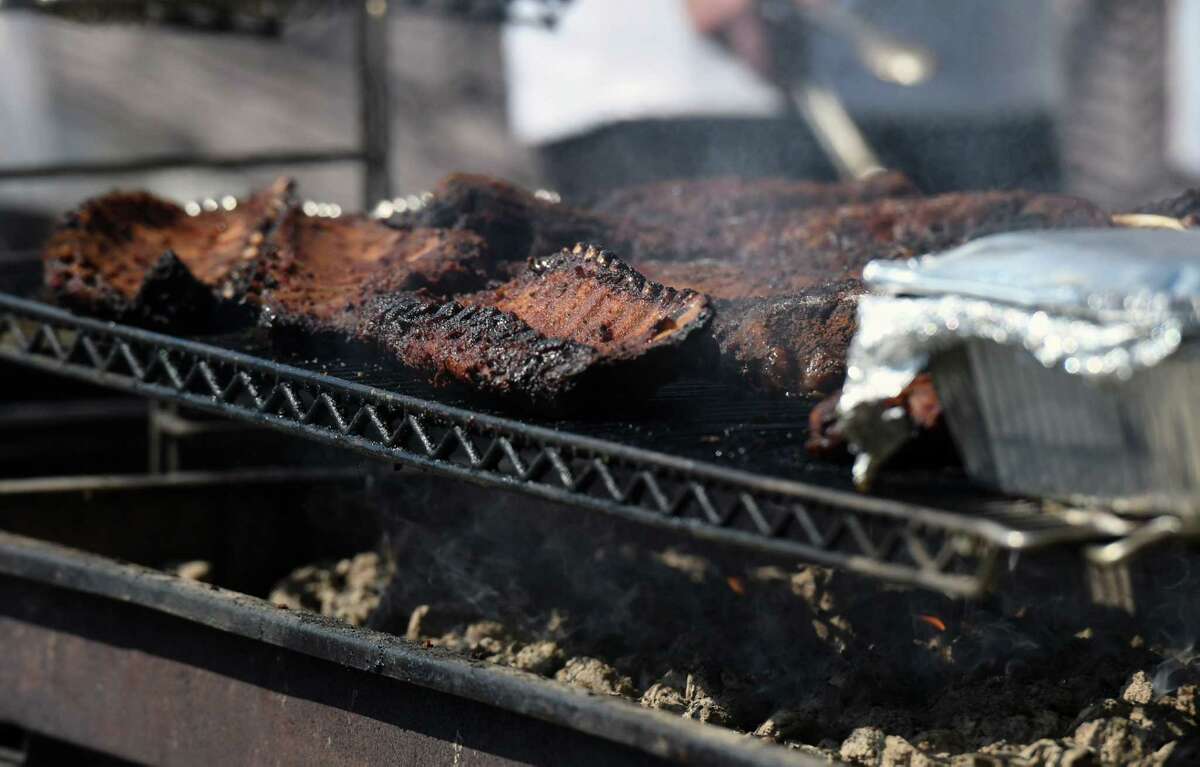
x=888 y=58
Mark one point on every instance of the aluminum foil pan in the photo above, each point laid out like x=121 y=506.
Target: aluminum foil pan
x=1062 y=359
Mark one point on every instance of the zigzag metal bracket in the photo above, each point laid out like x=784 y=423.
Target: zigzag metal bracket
x=896 y=541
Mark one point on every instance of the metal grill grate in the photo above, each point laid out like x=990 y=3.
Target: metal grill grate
x=898 y=541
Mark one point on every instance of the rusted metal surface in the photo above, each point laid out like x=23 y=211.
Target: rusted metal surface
x=152 y=668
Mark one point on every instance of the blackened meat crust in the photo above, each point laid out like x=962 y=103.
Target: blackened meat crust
x=786 y=299
x=669 y=221
x=515 y=224
x=571 y=330
x=490 y=351
x=781 y=254
x=590 y=296
x=794 y=345
x=693 y=203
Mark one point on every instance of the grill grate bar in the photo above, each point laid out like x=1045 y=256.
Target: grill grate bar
x=884 y=538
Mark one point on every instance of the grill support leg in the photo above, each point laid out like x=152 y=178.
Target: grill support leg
x=374 y=107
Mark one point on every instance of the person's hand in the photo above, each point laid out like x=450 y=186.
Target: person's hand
x=737 y=24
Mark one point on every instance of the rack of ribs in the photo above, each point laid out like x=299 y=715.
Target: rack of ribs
x=573 y=328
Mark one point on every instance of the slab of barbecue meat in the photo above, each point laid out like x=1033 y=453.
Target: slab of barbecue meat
x=99 y=258
x=314 y=273
x=785 y=303
x=671 y=221
x=787 y=253
x=696 y=203
x=575 y=327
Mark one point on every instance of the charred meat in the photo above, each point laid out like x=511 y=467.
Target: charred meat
x=99 y=258
x=515 y=224
x=570 y=326
x=695 y=202
x=319 y=271
x=590 y=296
x=791 y=253
x=669 y=221
x=782 y=326
x=487 y=350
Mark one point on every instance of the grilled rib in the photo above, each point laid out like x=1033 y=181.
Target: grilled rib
x=590 y=296
x=561 y=333
x=99 y=258
x=790 y=345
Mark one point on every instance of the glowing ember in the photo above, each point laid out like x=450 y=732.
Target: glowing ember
x=934 y=621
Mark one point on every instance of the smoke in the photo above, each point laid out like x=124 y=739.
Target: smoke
x=763 y=635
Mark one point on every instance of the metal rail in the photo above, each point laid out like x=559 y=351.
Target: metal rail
x=181 y=160
x=153 y=630
x=903 y=542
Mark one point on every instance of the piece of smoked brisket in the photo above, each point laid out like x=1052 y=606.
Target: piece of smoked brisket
x=785 y=303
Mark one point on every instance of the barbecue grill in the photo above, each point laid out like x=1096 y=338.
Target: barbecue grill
x=699 y=461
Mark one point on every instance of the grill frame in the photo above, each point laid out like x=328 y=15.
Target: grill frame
x=903 y=542
x=155 y=613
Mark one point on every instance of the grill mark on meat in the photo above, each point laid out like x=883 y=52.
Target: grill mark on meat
x=487 y=349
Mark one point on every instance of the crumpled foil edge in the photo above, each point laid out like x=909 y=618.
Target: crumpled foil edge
x=897 y=336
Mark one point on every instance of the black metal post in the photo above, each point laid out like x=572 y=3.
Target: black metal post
x=374 y=109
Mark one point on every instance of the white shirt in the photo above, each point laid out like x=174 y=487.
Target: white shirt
x=613 y=60
x=1183 y=85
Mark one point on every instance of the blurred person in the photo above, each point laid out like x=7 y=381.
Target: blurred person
x=622 y=91
x=1130 y=118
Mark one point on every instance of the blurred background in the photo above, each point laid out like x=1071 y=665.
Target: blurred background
x=1097 y=98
